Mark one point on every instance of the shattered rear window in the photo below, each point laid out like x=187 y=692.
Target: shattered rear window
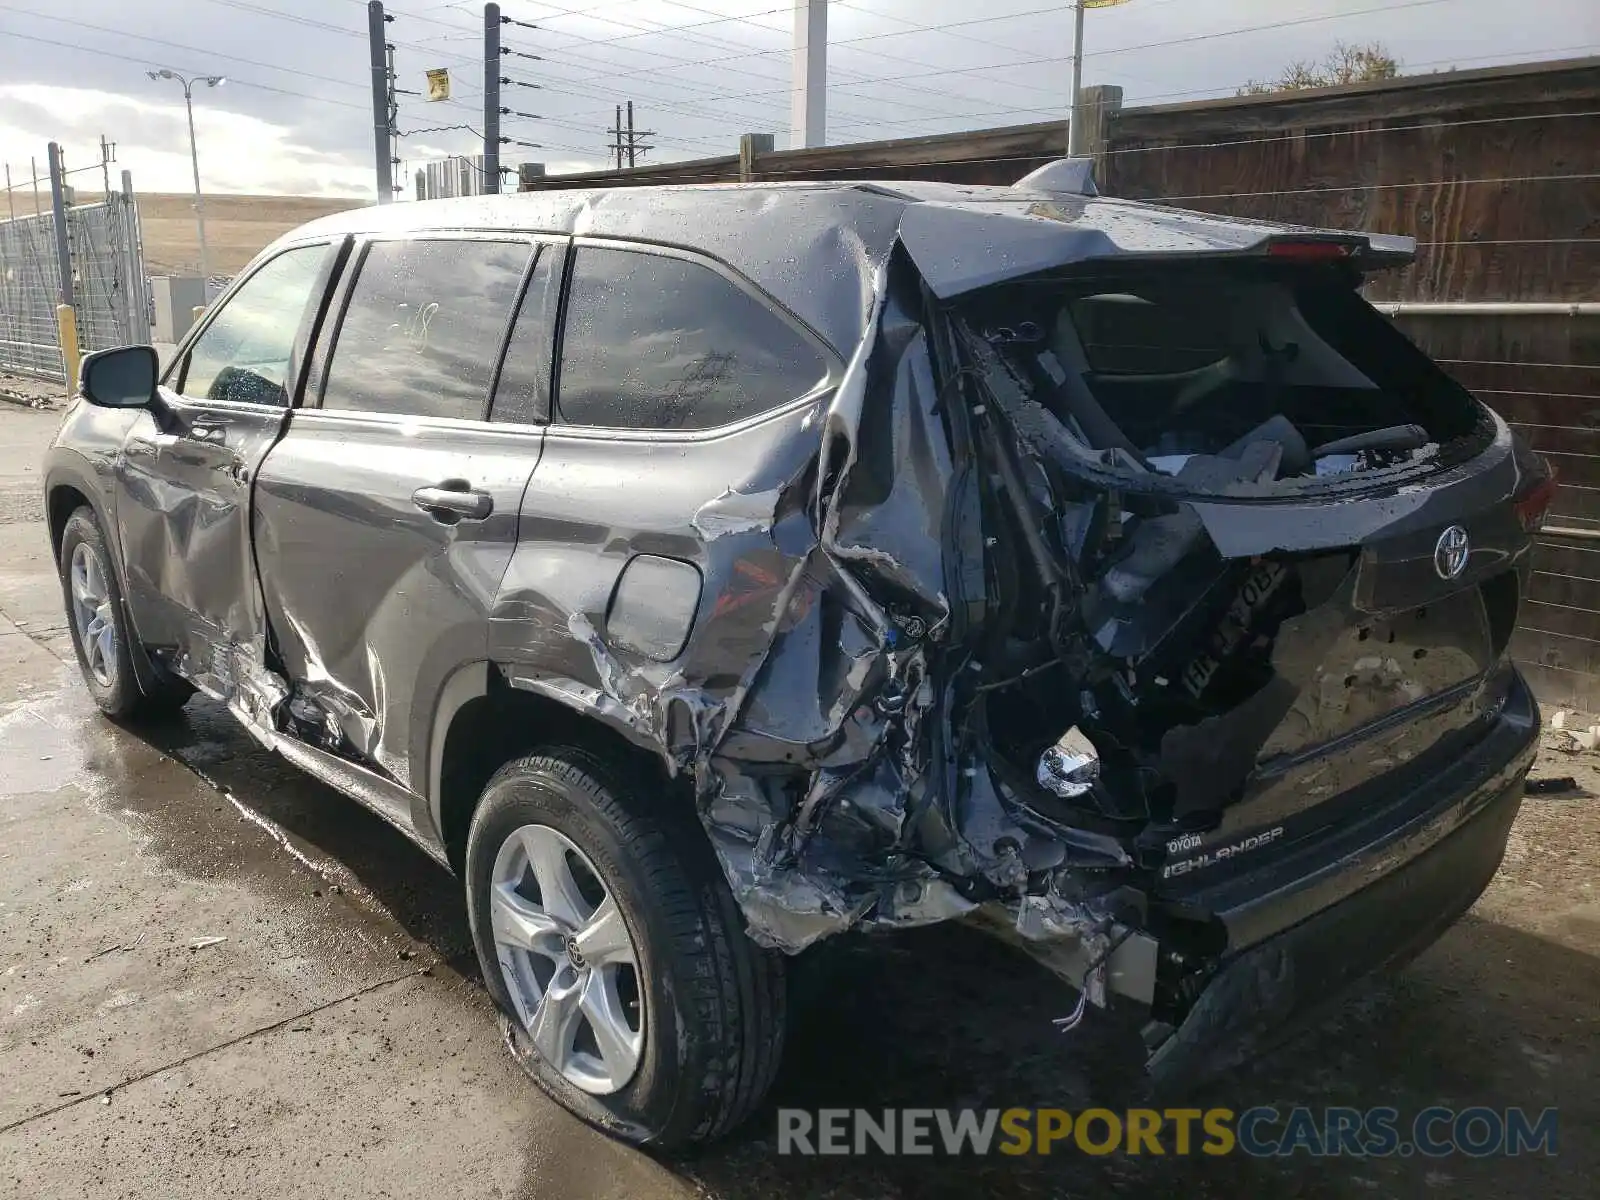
x=1125 y=334
x=1223 y=374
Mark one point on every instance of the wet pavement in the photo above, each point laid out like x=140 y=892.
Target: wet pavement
x=338 y=1040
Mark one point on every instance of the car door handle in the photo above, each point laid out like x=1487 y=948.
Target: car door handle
x=452 y=501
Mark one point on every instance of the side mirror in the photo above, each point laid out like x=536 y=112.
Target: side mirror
x=123 y=377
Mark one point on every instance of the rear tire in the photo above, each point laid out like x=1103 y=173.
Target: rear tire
x=100 y=634
x=709 y=1003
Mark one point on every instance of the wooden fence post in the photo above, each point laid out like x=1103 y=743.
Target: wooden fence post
x=751 y=145
x=1101 y=104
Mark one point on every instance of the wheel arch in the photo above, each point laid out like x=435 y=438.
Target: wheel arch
x=483 y=721
x=68 y=488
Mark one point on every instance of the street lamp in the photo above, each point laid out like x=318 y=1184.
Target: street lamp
x=194 y=157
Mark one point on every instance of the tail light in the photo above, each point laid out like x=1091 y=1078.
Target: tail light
x=1533 y=504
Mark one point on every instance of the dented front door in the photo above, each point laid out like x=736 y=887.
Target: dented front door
x=185 y=474
x=386 y=514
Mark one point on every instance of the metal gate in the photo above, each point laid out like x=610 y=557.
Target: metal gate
x=108 y=284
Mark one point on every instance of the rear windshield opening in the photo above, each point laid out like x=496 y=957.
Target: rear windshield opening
x=1284 y=367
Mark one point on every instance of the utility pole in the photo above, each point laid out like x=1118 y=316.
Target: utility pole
x=33 y=165
x=58 y=206
x=108 y=155
x=10 y=202
x=382 y=124
x=627 y=141
x=491 y=99
x=394 y=115
x=808 y=99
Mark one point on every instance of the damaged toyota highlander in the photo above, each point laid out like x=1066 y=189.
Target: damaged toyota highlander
x=705 y=572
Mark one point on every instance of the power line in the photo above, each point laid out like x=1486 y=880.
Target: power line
x=1303 y=136
x=609 y=68
x=1364 y=132
x=1199 y=37
x=1380 y=187
x=684 y=103
x=139 y=37
x=665 y=30
x=952 y=71
x=147 y=62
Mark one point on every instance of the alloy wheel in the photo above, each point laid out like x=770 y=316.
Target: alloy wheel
x=91 y=614
x=568 y=960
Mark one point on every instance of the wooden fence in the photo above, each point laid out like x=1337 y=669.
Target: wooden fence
x=1496 y=173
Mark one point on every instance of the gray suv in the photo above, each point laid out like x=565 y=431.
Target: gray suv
x=702 y=573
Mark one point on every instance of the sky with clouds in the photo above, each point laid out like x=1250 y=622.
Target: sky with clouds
x=294 y=115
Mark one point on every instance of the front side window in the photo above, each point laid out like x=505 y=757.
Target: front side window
x=653 y=342
x=243 y=354
x=423 y=328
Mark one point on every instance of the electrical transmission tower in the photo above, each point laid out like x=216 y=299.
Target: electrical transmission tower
x=628 y=143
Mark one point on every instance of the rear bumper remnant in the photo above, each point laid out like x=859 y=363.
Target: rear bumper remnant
x=1388 y=902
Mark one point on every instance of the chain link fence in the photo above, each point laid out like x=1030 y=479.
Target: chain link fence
x=30 y=284
x=109 y=290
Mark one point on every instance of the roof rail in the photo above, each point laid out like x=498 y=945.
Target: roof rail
x=1068 y=176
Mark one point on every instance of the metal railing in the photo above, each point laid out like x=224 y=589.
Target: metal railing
x=105 y=281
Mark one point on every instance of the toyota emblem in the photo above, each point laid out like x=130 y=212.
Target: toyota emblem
x=1451 y=551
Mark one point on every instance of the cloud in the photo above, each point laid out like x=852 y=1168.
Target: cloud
x=237 y=152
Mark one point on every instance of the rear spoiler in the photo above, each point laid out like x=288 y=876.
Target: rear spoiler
x=1075 y=177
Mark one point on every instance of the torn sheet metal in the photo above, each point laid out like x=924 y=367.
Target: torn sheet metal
x=808 y=711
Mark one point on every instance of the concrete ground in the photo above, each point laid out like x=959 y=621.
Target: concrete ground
x=339 y=1042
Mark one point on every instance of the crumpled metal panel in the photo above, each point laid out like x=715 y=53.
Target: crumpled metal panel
x=808 y=708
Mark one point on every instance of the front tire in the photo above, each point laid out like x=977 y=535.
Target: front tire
x=608 y=938
x=100 y=632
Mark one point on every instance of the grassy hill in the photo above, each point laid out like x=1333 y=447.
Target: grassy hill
x=236 y=226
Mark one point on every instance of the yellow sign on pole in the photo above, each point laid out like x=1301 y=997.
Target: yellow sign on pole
x=439 y=83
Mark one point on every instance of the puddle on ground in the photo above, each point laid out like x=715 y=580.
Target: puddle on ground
x=42 y=746
x=207 y=822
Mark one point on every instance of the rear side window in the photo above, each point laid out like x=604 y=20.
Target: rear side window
x=424 y=326
x=653 y=342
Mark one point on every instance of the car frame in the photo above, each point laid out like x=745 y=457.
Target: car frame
x=717 y=694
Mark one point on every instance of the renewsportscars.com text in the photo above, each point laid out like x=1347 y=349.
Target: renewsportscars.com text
x=1261 y=1132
